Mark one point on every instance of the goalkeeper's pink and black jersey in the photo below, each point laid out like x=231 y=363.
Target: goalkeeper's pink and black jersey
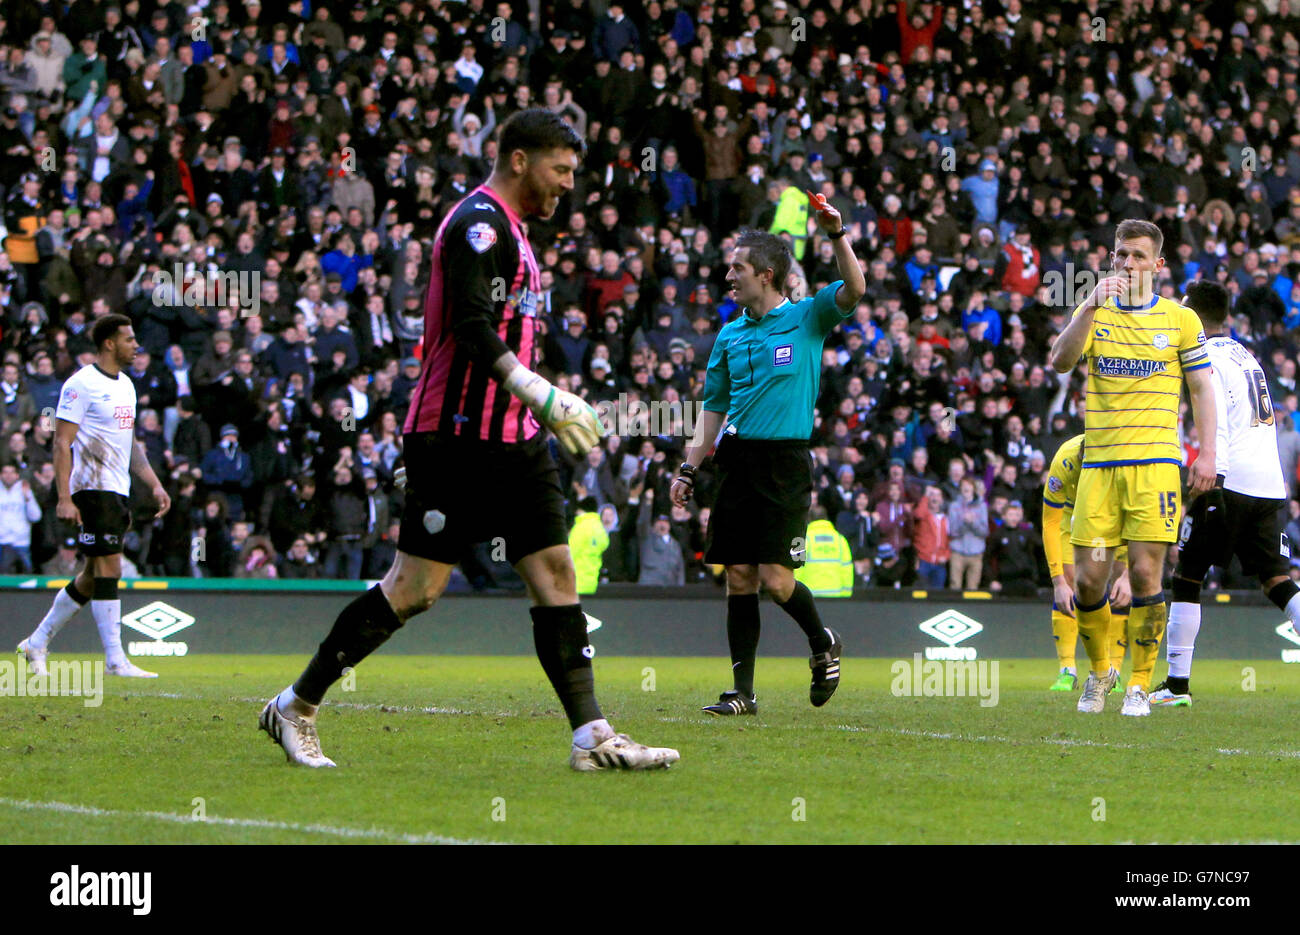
x=482 y=301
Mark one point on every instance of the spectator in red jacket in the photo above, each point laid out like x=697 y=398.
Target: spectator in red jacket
x=915 y=30
x=931 y=538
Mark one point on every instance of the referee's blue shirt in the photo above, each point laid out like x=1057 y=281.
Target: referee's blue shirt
x=764 y=374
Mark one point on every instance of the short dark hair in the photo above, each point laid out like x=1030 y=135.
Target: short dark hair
x=767 y=251
x=1134 y=227
x=537 y=130
x=106 y=329
x=1208 y=300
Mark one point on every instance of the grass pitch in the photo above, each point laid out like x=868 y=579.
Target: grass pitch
x=474 y=749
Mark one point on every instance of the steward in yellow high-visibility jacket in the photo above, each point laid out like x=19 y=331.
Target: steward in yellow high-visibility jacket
x=792 y=218
x=828 y=561
x=588 y=541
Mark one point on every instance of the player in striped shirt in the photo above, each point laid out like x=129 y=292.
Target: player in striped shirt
x=477 y=462
x=1058 y=517
x=1139 y=349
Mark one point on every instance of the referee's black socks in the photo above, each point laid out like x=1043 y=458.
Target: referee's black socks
x=803 y=609
x=361 y=628
x=742 y=639
x=560 y=635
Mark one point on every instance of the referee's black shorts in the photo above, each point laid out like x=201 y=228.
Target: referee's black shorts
x=1250 y=528
x=463 y=491
x=105 y=518
x=760 y=512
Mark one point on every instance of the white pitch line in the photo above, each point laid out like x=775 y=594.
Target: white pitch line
x=977 y=738
x=174 y=818
x=847 y=728
x=351 y=705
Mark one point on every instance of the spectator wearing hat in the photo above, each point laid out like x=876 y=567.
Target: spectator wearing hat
x=257 y=560
x=65 y=563
x=983 y=188
x=662 y=563
x=228 y=470
x=216 y=362
x=46 y=64
x=82 y=68
x=890 y=570
x=25 y=214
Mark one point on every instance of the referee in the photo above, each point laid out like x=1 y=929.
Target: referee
x=760 y=393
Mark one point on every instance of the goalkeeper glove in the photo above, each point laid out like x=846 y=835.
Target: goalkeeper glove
x=573 y=421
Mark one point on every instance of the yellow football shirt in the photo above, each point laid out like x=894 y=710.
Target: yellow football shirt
x=1058 y=506
x=1136 y=360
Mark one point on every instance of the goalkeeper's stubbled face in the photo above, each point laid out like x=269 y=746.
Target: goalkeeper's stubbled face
x=550 y=175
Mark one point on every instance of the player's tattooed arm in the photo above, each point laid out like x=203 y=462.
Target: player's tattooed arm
x=141 y=468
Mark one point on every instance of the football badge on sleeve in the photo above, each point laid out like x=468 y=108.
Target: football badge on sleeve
x=481 y=236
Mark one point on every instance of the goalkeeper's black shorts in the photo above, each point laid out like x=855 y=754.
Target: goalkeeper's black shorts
x=1250 y=528
x=760 y=511
x=463 y=491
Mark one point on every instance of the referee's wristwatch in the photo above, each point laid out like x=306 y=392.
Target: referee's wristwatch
x=686 y=474
x=838 y=234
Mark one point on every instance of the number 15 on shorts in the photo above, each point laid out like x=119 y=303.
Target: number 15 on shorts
x=1169 y=507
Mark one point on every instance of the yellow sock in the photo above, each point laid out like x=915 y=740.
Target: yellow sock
x=1118 y=637
x=1065 y=630
x=1146 y=627
x=1094 y=625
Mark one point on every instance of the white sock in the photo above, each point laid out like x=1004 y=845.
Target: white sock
x=1180 y=637
x=1293 y=612
x=108 y=618
x=592 y=734
x=64 y=609
x=289 y=703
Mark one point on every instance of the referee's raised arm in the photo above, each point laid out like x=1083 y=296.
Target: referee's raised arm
x=855 y=283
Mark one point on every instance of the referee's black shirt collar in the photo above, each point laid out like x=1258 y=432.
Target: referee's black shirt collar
x=776 y=311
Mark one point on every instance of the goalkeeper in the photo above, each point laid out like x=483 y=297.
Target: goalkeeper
x=478 y=465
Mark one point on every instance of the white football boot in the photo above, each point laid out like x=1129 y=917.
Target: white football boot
x=621 y=752
x=35 y=658
x=1095 y=690
x=1167 y=699
x=130 y=670
x=295 y=735
x=1136 y=702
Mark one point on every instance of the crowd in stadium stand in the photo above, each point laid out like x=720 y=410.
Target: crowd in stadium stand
x=981 y=154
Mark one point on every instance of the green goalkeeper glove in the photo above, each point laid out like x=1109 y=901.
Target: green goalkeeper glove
x=573 y=421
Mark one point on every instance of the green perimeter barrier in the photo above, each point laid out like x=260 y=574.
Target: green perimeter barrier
x=174 y=617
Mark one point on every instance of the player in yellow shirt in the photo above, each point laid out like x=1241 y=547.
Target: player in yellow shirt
x=1058 y=512
x=1139 y=349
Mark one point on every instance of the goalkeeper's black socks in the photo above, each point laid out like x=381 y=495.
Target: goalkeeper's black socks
x=803 y=609
x=560 y=637
x=361 y=628
x=742 y=638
